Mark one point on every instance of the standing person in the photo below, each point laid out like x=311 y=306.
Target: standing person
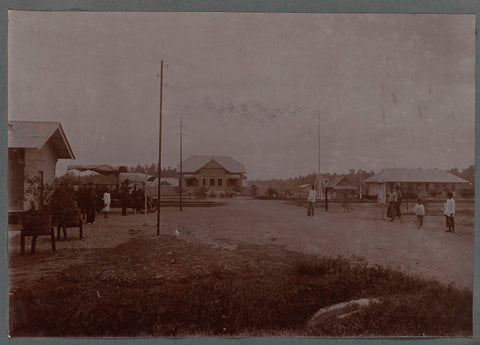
x=82 y=201
x=419 y=211
x=392 y=204
x=311 y=200
x=90 y=198
x=106 y=203
x=450 y=212
x=398 y=204
x=124 y=196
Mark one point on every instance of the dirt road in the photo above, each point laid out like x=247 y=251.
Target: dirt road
x=429 y=252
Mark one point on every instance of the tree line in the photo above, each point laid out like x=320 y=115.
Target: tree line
x=467 y=173
x=151 y=169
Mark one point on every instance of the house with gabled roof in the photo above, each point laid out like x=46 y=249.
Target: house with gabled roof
x=216 y=173
x=421 y=182
x=342 y=186
x=34 y=147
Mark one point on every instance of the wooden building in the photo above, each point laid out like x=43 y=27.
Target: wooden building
x=218 y=174
x=342 y=186
x=421 y=182
x=34 y=148
x=338 y=186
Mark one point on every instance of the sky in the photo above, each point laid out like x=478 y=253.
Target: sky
x=370 y=91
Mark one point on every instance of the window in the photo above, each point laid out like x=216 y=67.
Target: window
x=204 y=182
x=212 y=182
x=189 y=182
x=220 y=181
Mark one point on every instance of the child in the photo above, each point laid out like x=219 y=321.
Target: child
x=106 y=203
x=419 y=210
x=450 y=213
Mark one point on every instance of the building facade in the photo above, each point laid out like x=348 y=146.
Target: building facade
x=419 y=182
x=340 y=186
x=217 y=174
x=33 y=151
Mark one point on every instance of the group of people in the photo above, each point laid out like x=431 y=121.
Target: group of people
x=448 y=211
x=394 y=207
x=88 y=201
x=91 y=201
x=394 y=204
x=394 y=212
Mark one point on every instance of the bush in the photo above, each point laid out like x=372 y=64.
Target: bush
x=201 y=192
x=271 y=192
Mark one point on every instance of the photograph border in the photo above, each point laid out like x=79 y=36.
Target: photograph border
x=271 y=6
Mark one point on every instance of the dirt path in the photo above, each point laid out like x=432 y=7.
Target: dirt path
x=429 y=252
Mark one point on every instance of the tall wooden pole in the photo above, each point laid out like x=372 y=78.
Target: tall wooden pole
x=319 y=178
x=318 y=130
x=159 y=170
x=181 y=167
x=145 y=194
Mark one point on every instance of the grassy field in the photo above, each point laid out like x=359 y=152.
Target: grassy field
x=168 y=287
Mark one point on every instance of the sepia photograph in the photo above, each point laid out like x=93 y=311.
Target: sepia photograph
x=236 y=174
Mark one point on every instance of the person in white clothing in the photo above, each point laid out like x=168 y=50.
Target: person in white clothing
x=450 y=213
x=106 y=203
x=311 y=200
x=419 y=211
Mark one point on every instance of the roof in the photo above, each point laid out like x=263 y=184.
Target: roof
x=195 y=163
x=169 y=181
x=105 y=169
x=336 y=180
x=415 y=175
x=35 y=134
x=151 y=180
x=134 y=177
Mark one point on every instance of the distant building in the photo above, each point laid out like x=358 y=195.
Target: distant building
x=341 y=186
x=34 y=148
x=421 y=182
x=168 y=185
x=302 y=191
x=216 y=173
x=338 y=186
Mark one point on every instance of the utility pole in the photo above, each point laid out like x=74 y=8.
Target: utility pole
x=145 y=193
x=319 y=177
x=326 y=198
x=159 y=170
x=181 y=161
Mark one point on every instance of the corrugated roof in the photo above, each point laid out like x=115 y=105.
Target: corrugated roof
x=415 y=175
x=195 y=163
x=105 y=169
x=35 y=134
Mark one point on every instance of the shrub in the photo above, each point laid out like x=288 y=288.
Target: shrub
x=201 y=192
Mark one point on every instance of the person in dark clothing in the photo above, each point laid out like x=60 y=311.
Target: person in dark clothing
x=398 y=211
x=82 y=201
x=124 y=196
x=90 y=199
x=138 y=197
